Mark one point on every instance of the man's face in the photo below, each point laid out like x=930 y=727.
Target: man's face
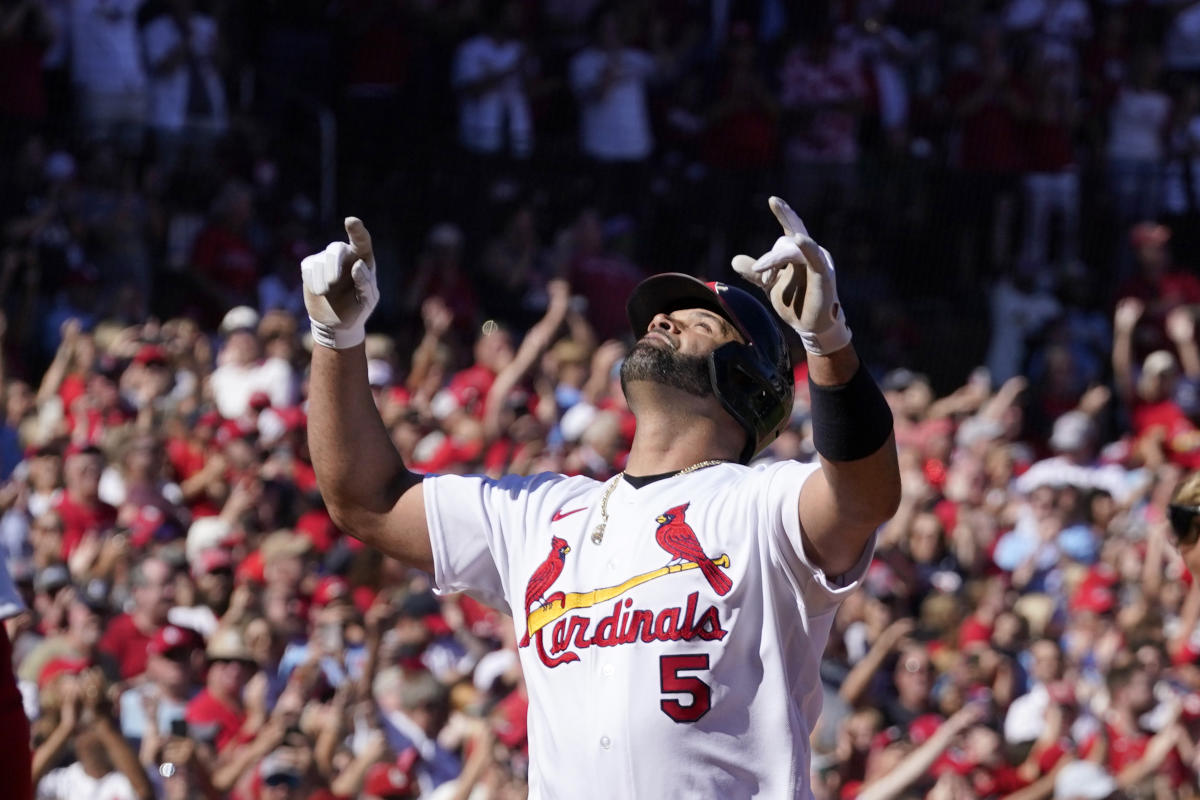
x=229 y=676
x=83 y=624
x=169 y=670
x=83 y=474
x=675 y=350
x=19 y=402
x=1047 y=661
x=156 y=596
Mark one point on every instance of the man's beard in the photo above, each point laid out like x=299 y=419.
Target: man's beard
x=648 y=362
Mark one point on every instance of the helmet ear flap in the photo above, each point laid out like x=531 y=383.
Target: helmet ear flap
x=757 y=399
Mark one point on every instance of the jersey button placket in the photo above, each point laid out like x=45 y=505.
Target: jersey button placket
x=605 y=743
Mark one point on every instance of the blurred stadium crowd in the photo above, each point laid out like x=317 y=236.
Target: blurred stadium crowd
x=1010 y=188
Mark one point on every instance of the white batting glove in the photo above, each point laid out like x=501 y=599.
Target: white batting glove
x=797 y=268
x=340 y=290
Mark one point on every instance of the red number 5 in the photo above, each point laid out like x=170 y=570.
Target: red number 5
x=673 y=683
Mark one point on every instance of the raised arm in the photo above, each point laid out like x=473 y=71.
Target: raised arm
x=1125 y=319
x=369 y=492
x=535 y=343
x=858 y=486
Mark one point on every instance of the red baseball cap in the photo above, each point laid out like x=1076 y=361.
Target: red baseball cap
x=329 y=589
x=170 y=638
x=150 y=354
x=210 y=560
x=60 y=666
x=394 y=780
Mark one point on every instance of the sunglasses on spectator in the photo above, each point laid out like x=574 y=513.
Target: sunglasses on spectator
x=282 y=779
x=1183 y=523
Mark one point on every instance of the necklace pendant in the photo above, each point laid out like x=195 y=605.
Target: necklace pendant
x=598 y=534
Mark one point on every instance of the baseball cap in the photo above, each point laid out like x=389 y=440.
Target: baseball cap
x=205 y=533
x=227 y=644
x=239 y=318
x=282 y=544
x=1074 y=430
x=60 y=666
x=1083 y=780
x=1160 y=362
x=330 y=589
x=150 y=354
x=275 y=770
x=393 y=780
x=208 y=561
x=1093 y=597
x=173 y=638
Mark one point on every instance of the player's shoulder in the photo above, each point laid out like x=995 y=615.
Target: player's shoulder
x=517 y=487
x=766 y=471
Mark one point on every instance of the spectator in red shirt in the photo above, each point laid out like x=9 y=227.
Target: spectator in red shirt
x=225 y=263
x=80 y=507
x=1161 y=429
x=1159 y=284
x=128 y=635
x=821 y=92
x=219 y=704
x=1126 y=744
x=1051 y=180
x=986 y=105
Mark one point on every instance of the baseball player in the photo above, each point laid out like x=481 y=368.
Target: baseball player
x=670 y=620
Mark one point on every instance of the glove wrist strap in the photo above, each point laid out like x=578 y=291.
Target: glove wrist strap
x=830 y=340
x=337 y=338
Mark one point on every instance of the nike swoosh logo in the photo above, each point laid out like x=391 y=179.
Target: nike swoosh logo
x=560 y=514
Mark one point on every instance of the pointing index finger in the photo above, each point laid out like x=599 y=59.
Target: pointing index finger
x=789 y=219
x=360 y=239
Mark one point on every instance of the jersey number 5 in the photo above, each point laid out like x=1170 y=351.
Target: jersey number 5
x=672 y=682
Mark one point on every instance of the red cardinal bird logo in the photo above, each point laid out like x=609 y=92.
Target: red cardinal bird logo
x=677 y=537
x=545 y=575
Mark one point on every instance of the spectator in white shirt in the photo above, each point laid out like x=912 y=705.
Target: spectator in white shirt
x=106 y=69
x=241 y=375
x=489 y=77
x=106 y=767
x=1136 y=142
x=186 y=95
x=610 y=79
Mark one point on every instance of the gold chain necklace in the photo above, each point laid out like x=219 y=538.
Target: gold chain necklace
x=598 y=531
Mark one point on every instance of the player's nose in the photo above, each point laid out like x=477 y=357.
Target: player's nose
x=661 y=322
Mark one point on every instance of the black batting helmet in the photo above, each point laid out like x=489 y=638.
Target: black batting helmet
x=754 y=380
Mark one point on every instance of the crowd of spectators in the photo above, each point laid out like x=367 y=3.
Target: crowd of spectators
x=1007 y=184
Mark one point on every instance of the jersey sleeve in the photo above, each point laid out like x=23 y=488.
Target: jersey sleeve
x=821 y=592
x=476 y=529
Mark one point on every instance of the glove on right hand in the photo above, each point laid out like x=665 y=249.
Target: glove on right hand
x=340 y=290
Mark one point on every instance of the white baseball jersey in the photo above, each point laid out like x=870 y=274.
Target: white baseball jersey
x=679 y=657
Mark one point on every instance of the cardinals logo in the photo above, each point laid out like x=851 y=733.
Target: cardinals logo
x=556 y=634
x=677 y=537
x=544 y=577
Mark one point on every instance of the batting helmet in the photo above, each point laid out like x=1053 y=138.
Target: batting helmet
x=753 y=380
